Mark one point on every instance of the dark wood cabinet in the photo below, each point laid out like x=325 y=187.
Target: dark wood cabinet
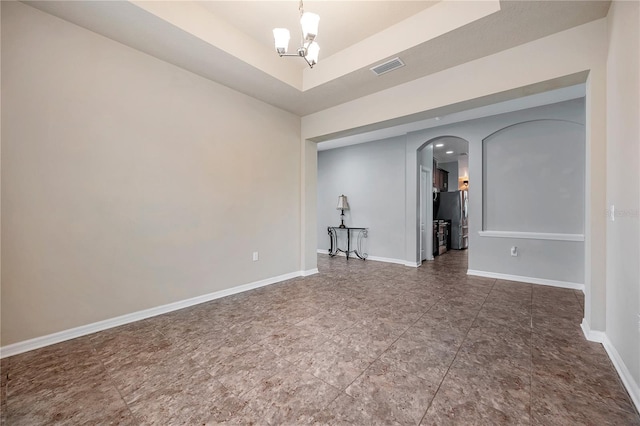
x=441 y=180
x=445 y=180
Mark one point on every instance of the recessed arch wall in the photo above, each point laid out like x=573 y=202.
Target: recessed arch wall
x=533 y=178
x=544 y=265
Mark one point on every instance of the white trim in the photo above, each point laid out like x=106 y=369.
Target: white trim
x=592 y=335
x=310 y=272
x=530 y=280
x=376 y=259
x=623 y=372
x=387 y=260
x=532 y=235
x=625 y=375
x=83 y=330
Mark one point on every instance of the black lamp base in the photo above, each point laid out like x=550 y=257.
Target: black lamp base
x=342 y=220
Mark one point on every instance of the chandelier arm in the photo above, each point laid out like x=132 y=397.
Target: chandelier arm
x=307 y=61
x=297 y=55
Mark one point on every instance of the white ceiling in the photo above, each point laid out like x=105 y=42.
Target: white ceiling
x=225 y=41
x=455 y=146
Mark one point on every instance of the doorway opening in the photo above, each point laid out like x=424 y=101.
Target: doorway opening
x=443 y=196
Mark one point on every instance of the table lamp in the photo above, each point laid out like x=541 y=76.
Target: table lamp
x=342 y=205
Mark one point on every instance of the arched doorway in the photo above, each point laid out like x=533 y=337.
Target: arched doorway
x=443 y=164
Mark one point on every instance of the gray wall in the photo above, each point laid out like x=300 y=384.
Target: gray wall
x=372 y=177
x=533 y=175
x=543 y=259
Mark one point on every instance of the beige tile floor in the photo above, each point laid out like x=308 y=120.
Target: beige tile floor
x=360 y=343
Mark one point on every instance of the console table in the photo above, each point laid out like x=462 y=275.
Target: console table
x=333 y=236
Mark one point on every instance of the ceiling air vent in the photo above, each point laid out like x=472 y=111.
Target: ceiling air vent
x=387 y=66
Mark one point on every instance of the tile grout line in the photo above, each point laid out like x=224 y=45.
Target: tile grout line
x=340 y=391
x=343 y=391
x=458 y=351
x=7 y=373
x=106 y=372
x=391 y=344
x=531 y=360
x=327 y=338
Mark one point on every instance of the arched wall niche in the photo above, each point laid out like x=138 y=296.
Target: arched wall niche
x=533 y=175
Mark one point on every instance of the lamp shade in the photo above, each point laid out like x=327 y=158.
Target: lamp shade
x=281 y=37
x=309 y=22
x=342 y=203
x=313 y=50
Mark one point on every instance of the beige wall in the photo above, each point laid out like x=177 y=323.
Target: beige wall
x=128 y=183
x=623 y=183
x=309 y=176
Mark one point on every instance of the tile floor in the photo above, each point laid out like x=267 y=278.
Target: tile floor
x=360 y=343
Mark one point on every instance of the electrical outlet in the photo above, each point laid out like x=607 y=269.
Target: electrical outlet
x=514 y=251
x=255 y=256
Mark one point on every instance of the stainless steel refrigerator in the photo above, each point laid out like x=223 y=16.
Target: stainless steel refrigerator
x=453 y=206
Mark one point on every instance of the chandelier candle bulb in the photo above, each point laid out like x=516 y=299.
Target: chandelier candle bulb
x=309 y=23
x=281 y=37
x=312 y=53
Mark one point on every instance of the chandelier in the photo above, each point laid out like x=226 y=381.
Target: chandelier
x=309 y=50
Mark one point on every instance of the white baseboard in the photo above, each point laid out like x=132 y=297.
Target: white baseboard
x=633 y=388
x=376 y=258
x=529 y=280
x=83 y=330
x=627 y=379
x=310 y=272
x=387 y=260
x=592 y=335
